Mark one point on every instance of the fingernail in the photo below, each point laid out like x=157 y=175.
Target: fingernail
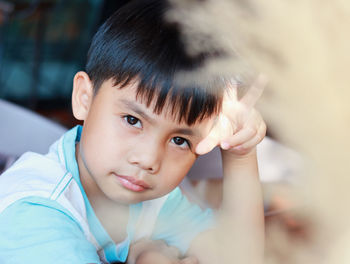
x=225 y=145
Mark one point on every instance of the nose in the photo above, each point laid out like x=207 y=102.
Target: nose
x=147 y=156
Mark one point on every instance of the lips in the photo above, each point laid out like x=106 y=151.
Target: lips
x=132 y=184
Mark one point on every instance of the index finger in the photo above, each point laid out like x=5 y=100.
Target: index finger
x=209 y=142
x=254 y=92
x=230 y=94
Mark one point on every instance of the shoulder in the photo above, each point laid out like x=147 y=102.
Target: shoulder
x=36 y=175
x=38 y=229
x=33 y=167
x=32 y=174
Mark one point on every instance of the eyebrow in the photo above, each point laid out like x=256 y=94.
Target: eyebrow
x=186 y=131
x=134 y=107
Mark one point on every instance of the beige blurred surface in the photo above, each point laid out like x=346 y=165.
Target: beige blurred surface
x=303 y=47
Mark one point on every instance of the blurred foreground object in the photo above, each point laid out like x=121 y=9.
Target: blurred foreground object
x=303 y=47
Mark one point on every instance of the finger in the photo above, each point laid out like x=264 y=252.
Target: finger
x=155 y=257
x=207 y=144
x=254 y=92
x=144 y=245
x=231 y=91
x=214 y=136
x=189 y=260
x=239 y=138
x=251 y=143
x=171 y=251
x=136 y=249
x=246 y=147
x=230 y=100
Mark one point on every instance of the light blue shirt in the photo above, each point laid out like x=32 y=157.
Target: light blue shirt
x=46 y=217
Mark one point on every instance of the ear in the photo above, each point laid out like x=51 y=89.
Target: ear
x=82 y=95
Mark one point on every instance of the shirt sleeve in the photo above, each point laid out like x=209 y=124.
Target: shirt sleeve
x=180 y=221
x=42 y=232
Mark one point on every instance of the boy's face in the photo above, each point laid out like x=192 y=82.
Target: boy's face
x=126 y=152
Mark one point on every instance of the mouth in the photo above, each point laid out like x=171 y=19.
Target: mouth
x=132 y=184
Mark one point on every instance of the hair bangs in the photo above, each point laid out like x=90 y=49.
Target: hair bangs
x=137 y=44
x=185 y=104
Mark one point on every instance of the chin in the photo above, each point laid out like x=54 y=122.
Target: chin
x=131 y=198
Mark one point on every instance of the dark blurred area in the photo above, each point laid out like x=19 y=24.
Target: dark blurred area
x=43 y=43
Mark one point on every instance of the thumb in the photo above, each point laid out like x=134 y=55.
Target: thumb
x=222 y=129
x=211 y=140
x=207 y=144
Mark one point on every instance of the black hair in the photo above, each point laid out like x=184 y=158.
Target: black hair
x=137 y=43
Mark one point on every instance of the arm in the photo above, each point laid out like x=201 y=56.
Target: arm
x=243 y=206
x=239 y=236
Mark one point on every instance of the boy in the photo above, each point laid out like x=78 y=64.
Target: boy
x=141 y=134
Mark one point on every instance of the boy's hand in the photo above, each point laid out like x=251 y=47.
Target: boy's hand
x=239 y=127
x=155 y=257
x=145 y=251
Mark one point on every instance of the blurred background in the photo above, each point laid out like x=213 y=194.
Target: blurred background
x=43 y=43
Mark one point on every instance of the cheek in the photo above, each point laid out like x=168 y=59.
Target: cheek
x=104 y=142
x=176 y=169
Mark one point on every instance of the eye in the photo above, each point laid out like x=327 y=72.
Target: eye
x=181 y=142
x=133 y=121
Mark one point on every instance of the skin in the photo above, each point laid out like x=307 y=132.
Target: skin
x=122 y=137
x=128 y=154
x=156 y=252
x=239 y=236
